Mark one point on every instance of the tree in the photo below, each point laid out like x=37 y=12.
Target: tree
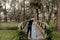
x=37 y=5
x=58 y=14
x=5 y=11
x=24 y=10
x=45 y=7
x=0 y=14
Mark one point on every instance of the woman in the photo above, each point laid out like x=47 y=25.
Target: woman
x=34 y=29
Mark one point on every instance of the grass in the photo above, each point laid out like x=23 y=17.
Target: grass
x=9 y=24
x=53 y=25
x=8 y=34
x=13 y=34
x=56 y=35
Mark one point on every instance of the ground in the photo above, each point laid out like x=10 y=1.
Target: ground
x=9 y=24
x=13 y=34
x=56 y=35
x=8 y=34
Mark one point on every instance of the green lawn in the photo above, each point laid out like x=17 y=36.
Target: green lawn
x=56 y=35
x=9 y=24
x=13 y=34
x=8 y=34
x=53 y=25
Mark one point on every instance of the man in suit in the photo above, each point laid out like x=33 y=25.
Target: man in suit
x=29 y=28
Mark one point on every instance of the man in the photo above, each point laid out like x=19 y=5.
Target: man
x=29 y=28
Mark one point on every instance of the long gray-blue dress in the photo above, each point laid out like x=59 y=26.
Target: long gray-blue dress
x=33 y=31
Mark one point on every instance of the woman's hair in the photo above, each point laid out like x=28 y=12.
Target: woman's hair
x=32 y=16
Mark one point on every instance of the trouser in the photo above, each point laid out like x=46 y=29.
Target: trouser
x=29 y=30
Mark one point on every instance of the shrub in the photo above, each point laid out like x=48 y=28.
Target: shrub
x=22 y=35
x=11 y=28
x=8 y=28
x=1 y=28
x=53 y=25
x=48 y=31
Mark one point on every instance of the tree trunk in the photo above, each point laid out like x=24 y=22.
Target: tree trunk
x=37 y=14
x=24 y=10
x=0 y=20
x=49 y=18
x=5 y=12
x=58 y=15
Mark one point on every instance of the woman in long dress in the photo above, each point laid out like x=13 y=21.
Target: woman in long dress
x=34 y=29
